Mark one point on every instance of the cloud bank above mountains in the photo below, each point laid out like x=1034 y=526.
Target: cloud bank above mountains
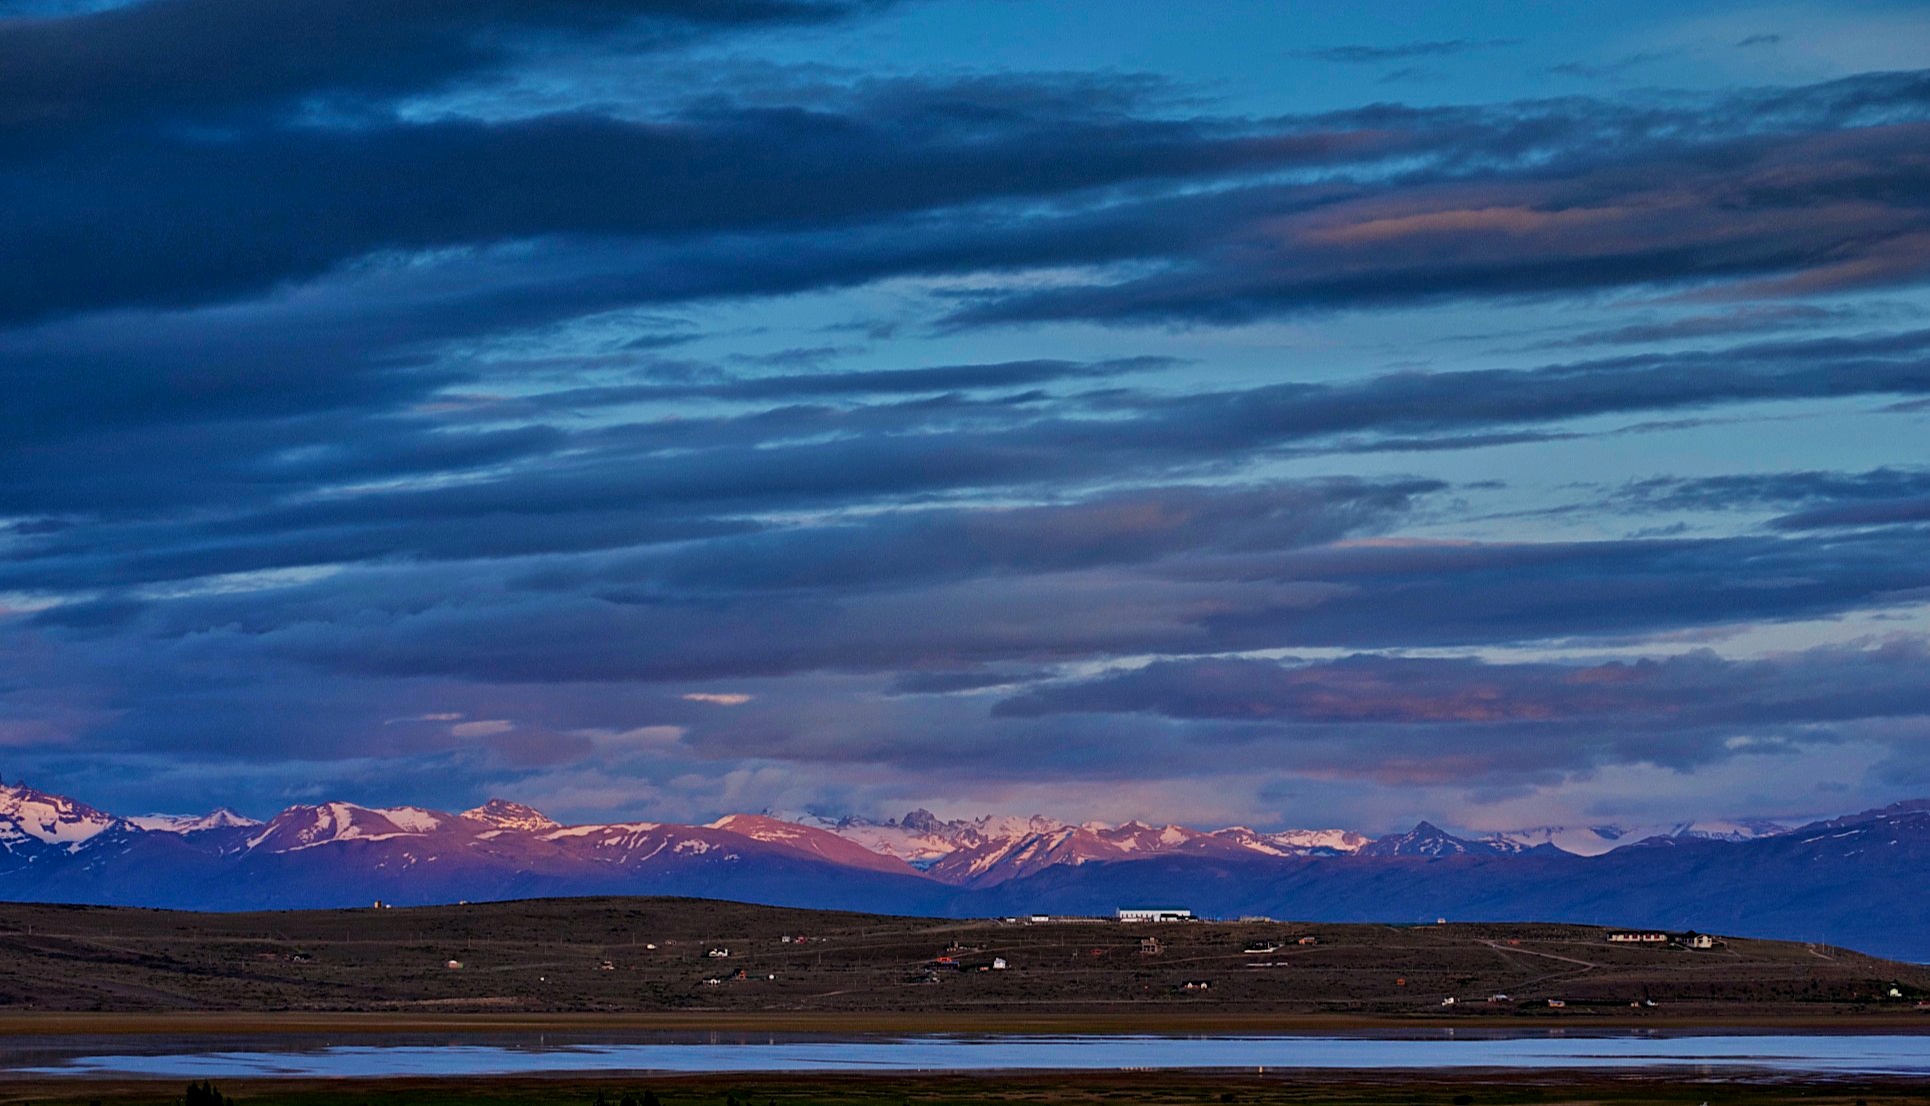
x=660 y=409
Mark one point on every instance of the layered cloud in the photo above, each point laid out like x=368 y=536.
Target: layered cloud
x=390 y=402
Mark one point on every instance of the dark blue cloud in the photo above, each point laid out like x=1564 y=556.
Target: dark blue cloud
x=534 y=488
x=1687 y=693
x=1494 y=718
x=1372 y=54
x=538 y=363
x=191 y=218
x=167 y=60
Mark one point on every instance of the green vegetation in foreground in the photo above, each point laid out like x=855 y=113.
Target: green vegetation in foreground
x=1069 y=1089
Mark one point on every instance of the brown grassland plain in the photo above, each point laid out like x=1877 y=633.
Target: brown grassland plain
x=646 y=961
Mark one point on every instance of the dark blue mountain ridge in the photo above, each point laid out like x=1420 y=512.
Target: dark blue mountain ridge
x=1851 y=881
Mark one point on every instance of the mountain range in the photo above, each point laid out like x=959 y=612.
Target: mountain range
x=1843 y=881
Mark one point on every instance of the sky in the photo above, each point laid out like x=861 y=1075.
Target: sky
x=1232 y=411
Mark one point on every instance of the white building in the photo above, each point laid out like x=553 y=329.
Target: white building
x=1150 y=914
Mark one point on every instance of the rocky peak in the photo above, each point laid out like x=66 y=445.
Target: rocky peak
x=503 y=814
x=922 y=820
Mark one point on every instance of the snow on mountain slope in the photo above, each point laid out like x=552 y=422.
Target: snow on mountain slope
x=1430 y=840
x=303 y=827
x=1910 y=811
x=1596 y=840
x=910 y=843
x=503 y=846
x=222 y=818
x=996 y=859
x=921 y=838
x=994 y=848
x=503 y=814
x=31 y=819
x=820 y=843
x=632 y=845
x=1138 y=837
x=1296 y=842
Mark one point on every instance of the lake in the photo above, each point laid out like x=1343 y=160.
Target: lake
x=530 y=1054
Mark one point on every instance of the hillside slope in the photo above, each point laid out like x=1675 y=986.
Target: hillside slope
x=655 y=954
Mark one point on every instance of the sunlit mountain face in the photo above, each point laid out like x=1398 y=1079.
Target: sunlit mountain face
x=1834 y=876
x=1235 y=431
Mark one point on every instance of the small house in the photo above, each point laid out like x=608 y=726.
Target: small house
x=998 y=963
x=1149 y=946
x=453 y=965
x=607 y=966
x=718 y=954
x=1700 y=941
x=1448 y=1001
x=1638 y=937
x=1308 y=941
x=1556 y=1004
x=1197 y=985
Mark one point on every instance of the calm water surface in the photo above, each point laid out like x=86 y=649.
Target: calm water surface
x=187 y=1058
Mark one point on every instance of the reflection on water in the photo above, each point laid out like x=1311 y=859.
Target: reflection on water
x=1869 y=1054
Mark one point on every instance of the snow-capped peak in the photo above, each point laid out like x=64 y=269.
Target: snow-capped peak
x=1598 y=839
x=222 y=818
x=27 y=814
x=300 y=827
x=1428 y=839
x=1295 y=842
x=503 y=814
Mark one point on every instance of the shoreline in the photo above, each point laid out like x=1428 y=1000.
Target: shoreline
x=1156 y=1087
x=30 y=1023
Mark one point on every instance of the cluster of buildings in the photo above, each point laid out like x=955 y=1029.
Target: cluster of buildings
x=1661 y=939
x=1123 y=914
